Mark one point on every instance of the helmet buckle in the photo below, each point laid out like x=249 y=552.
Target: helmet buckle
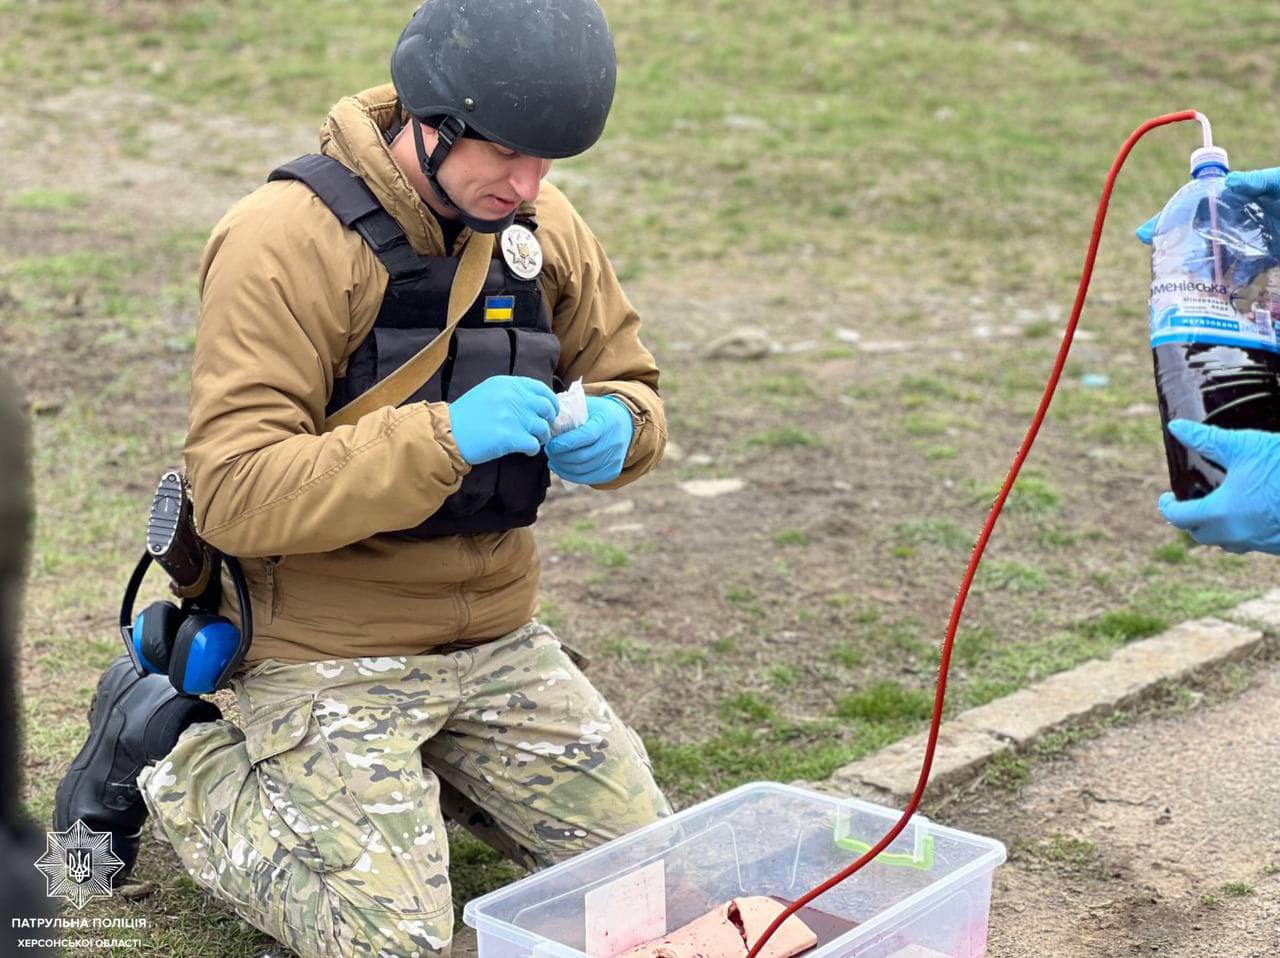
x=450 y=130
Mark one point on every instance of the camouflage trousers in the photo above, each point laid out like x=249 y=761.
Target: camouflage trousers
x=320 y=823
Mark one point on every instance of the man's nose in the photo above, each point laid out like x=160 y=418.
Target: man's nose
x=527 y=175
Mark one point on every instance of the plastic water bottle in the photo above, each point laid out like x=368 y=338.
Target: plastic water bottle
x=1215 y=302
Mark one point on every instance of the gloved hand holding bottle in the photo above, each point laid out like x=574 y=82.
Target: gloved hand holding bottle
x=1261 y=186
x=595 y=451
x=1243 y=513
x=502 y=415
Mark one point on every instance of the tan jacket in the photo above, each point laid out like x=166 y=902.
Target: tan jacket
x=286 y=295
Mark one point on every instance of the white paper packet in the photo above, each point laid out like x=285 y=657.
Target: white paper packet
x=573 y=409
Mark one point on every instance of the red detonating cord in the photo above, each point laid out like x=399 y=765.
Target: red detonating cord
x=944 y=664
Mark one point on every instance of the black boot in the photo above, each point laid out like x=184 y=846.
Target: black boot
x=133 y=721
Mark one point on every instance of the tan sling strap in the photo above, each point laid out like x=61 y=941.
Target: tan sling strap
x=405 y=381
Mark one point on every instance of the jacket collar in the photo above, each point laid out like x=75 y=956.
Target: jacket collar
x=354 y=134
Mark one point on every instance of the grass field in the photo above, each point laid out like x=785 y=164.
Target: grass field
x=896 y=196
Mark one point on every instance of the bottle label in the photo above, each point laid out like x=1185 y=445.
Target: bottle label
x=1189 y=309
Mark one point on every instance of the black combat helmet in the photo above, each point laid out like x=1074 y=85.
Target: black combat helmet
x=536 y=76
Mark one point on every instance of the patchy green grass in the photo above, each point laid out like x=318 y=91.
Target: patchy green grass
x=1125 y=625
x=1174 y=553
x=475 y=868
x=783 y=676
x=1238 y=889
x=941 y=532
x=755 y=741
x=809 y=183
x=1006 y=772
x=885 y=703
x=940 y=452
x=1011 y=576
x=550 y=613
x=48 y=201
x=182 y=921
x=1056 y=743
x=1032 y=493
x=691 y=658
x=785 y=437
x=626 y=650
x=845 y=654
x=788 y=389
x=579 y=542
x=747 y=600
x=1067 y=850
x=791 y=537
x=930 y=388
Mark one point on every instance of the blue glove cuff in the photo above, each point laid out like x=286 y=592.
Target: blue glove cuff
x=625 y=408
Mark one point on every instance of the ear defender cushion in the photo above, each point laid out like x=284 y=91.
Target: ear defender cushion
x=153 y=634
x=205 y=644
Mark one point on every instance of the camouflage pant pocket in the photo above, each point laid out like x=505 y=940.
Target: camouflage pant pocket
x=304 y=794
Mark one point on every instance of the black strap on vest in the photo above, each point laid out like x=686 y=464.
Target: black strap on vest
x=355 y=206
x=497 y=495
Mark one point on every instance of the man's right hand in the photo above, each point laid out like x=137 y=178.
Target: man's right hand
x=502 y=415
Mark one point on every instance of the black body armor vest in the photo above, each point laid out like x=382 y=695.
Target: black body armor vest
x=507 y=331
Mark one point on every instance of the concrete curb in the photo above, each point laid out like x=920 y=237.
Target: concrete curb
x=967 y=742
x=970 y=740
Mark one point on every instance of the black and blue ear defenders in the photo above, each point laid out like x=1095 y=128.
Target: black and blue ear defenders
x=198 y=649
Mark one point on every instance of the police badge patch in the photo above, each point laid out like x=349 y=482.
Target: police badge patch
x=521 y=251
x=79 y=865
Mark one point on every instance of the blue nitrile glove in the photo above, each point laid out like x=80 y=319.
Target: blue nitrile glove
x=595 y=451
x=1243 y=513
x=1147 y=231
x=1260 y=185
x=502 y=415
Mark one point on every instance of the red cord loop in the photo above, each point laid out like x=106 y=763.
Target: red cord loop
x=944 y=664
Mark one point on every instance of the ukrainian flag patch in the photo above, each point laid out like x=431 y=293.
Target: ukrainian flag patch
x=499 y=309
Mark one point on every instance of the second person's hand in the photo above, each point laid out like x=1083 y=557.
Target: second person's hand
x=502 y=415
x=1243 y=513
x=1260 y=185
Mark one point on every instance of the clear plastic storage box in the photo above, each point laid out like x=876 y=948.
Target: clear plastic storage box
x=927 y=896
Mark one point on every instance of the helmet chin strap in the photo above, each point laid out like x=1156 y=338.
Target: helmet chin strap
x=446 y=135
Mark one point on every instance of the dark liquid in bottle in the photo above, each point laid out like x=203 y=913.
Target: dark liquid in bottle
x=1223 y=386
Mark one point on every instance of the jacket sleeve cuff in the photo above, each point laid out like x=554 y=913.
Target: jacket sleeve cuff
x=442 y=427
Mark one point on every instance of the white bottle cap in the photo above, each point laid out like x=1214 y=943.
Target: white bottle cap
x=1207 y=155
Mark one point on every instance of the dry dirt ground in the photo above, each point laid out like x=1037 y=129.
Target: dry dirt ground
x=709 y=598
x=1157 y=838
x=856 y=508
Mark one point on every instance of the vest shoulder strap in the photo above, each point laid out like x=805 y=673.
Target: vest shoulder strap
x=355 y=207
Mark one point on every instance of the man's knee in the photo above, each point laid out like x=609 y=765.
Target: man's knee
x=583 y=811
x=203 y=774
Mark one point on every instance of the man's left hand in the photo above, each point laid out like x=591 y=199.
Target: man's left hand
x=595 y=451
x=1242 y=514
